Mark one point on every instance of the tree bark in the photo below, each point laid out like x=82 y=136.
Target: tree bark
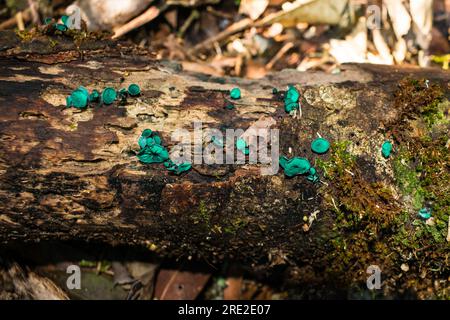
x=68 y=174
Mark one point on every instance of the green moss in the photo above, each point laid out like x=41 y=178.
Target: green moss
x=433 y=113
x=339 y=160
x=203 y=213
x=407 y=179
x=25 y=35
x=236 y=225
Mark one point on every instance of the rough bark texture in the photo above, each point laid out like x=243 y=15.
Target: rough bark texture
x=67 y=174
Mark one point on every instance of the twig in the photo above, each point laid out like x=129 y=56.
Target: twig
x=349 y=172
x=219 y=13
x=194 y=15
x=19 y=19
x=34 y=12
x=448 y=231
x=11 y=22
x=285 y=48
x=140 y=20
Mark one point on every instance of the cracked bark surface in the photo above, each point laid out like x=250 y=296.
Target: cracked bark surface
x=67 y=174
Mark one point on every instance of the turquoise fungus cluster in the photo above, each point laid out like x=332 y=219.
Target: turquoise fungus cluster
x=152 y=151
x=302 y=166
x=80 y=97
x=64 y=26
x=291 y=99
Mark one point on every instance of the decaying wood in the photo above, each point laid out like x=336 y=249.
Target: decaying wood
x=67 y=174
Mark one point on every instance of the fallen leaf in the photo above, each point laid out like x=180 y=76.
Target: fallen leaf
x=179 y=285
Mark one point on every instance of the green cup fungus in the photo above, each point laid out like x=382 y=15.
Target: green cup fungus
x=295 y=166
x=235 y=93
x=134 y=90
x=123 y=93
x=177 y=168
x=47 y=21
x=109 y=95
x=386 y=149
x=79 y=98
x=147 y=133
x=217 y=141
x=60 y=27
x=320 y=145
x=425 y=213
x=151 y=149
x=94 y=96
x=241 y=145
x=291 y=99
x=65 y=20
x=312 y=175
x=230 y=106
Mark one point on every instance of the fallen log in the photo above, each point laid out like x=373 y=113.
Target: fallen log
x=71 y=174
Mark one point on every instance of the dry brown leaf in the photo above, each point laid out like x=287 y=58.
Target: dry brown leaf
x=179 y=285
x=234 y=288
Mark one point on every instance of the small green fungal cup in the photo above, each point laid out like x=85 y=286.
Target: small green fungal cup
x=69 y=101
x=79 y=98
x=425 y=213
x=134 y=90
x=241 y=144
x=291 y=99
x=65 y=20
x=109 y=95
x=295 y=166
x=386 y=149
x=60 y=27
x=320 y=145
x=94 y=96
x=151 y=149
x=235 y=93
x=177 y=168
